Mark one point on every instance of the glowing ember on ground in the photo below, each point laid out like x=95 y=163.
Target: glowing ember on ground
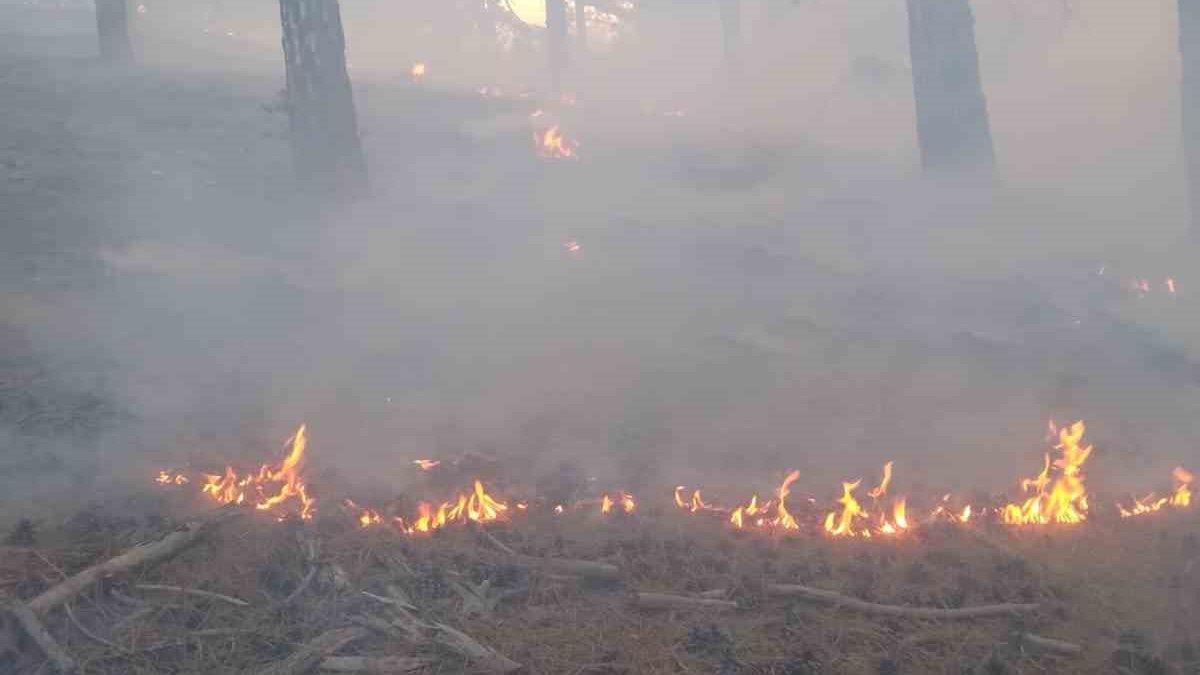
x=418 y=71
x=1061 y=499
x=572 y=247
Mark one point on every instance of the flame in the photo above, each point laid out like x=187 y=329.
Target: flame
x=1148 y=504
x=783 y=518
x=229 y=488
x=366 y=516
x=169 y=478
x=551 y=144
x=475 y=507
x=1062 y=499
x=1183 y=490
x=842 y=524
x=418 y=71
x=1171 y=286
x=752 y=509
x=965 y=516
x=572 y=246
x=628 y=503
x=606 y=504
x=427 y=464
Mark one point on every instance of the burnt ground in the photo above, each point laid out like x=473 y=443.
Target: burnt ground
x=169 y=299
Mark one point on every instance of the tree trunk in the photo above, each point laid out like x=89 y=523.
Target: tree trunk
x=581 y=26
x=324 y=132
x=556 y=43
x=731 y=31
x=112 y=28
x=952 y=118
x=1189 y=94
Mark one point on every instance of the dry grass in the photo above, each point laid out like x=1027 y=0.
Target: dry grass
x=1127 y=591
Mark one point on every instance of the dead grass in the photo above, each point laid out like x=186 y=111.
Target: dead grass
x=1125 y=590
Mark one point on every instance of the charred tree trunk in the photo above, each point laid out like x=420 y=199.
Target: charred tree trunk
x=324 y=132
x=952 y=118
x=1189 y=94
x=112 y=28
x=731 y=31
x=556 y=43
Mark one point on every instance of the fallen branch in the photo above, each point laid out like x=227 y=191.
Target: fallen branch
x=934 y=613
x=37 y=632
x=666 y=601
x=135 y=557
x=303 y=586
x=581 y=568
x=1050 y=645
x=315 y=651
x=406 y=626
x=193 y=592
x=382 y=665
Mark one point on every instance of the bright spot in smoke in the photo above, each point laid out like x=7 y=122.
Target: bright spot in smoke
x=532 y=12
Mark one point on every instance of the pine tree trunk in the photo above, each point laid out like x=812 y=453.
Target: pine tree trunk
x=952 y=118
x=581 y=26
x=1189 y=95
x=556 y=43
x=112 y=28
x=731 y=31
x=324 y=133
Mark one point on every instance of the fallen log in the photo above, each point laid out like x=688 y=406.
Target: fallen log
x=1050 y=645
x=408 y=627
x=375 y=665
x=316 y=650
x=932 y=613
x=139 y=556
x=667 y=601
x=37 y=632
x=195 y=592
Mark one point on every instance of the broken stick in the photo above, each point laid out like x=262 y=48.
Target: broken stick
x=1050 y=645
x=135 y=557
x=934 y=613
x=581 y=568
x=375 y=665
x=408 y=627
x=36 y=631
x=667 y=601
x=315 y=651
x=195 y=592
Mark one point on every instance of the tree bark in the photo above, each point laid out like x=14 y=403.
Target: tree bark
x=952 y=118
x=112 y=29
x=324 y=132
x=556 y=43
x=731 y=32
x=1189 y=86
x=581 y=36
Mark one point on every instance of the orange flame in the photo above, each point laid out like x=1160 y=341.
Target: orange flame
x=427 y=464
x=476 y=507
x=842 y=524
x=784 y=518
x=1063 y=499
x=1183 y=489
x=230 y=489
x=552 y=144
x=168 y=478
x=418 y=71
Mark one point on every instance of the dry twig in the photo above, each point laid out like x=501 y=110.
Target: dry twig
x=315 y=651
x=667 y=601
x=1050 y=645
x=934 y=613
x=37 y=632
x=237 y=602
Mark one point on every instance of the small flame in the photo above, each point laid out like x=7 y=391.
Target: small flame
x=842 y=524
x=169 y=478
x=231 y=489
x=1171 y=286
x=366 y=516
x=1059 y=500
x=572 y=246
x=606 y=504
x=475 y=507
x=552 y=144
x=1183 y=489
x=418 y=71
x=427 y=464
x=784 y=518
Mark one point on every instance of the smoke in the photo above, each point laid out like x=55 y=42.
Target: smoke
x=762 y=280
